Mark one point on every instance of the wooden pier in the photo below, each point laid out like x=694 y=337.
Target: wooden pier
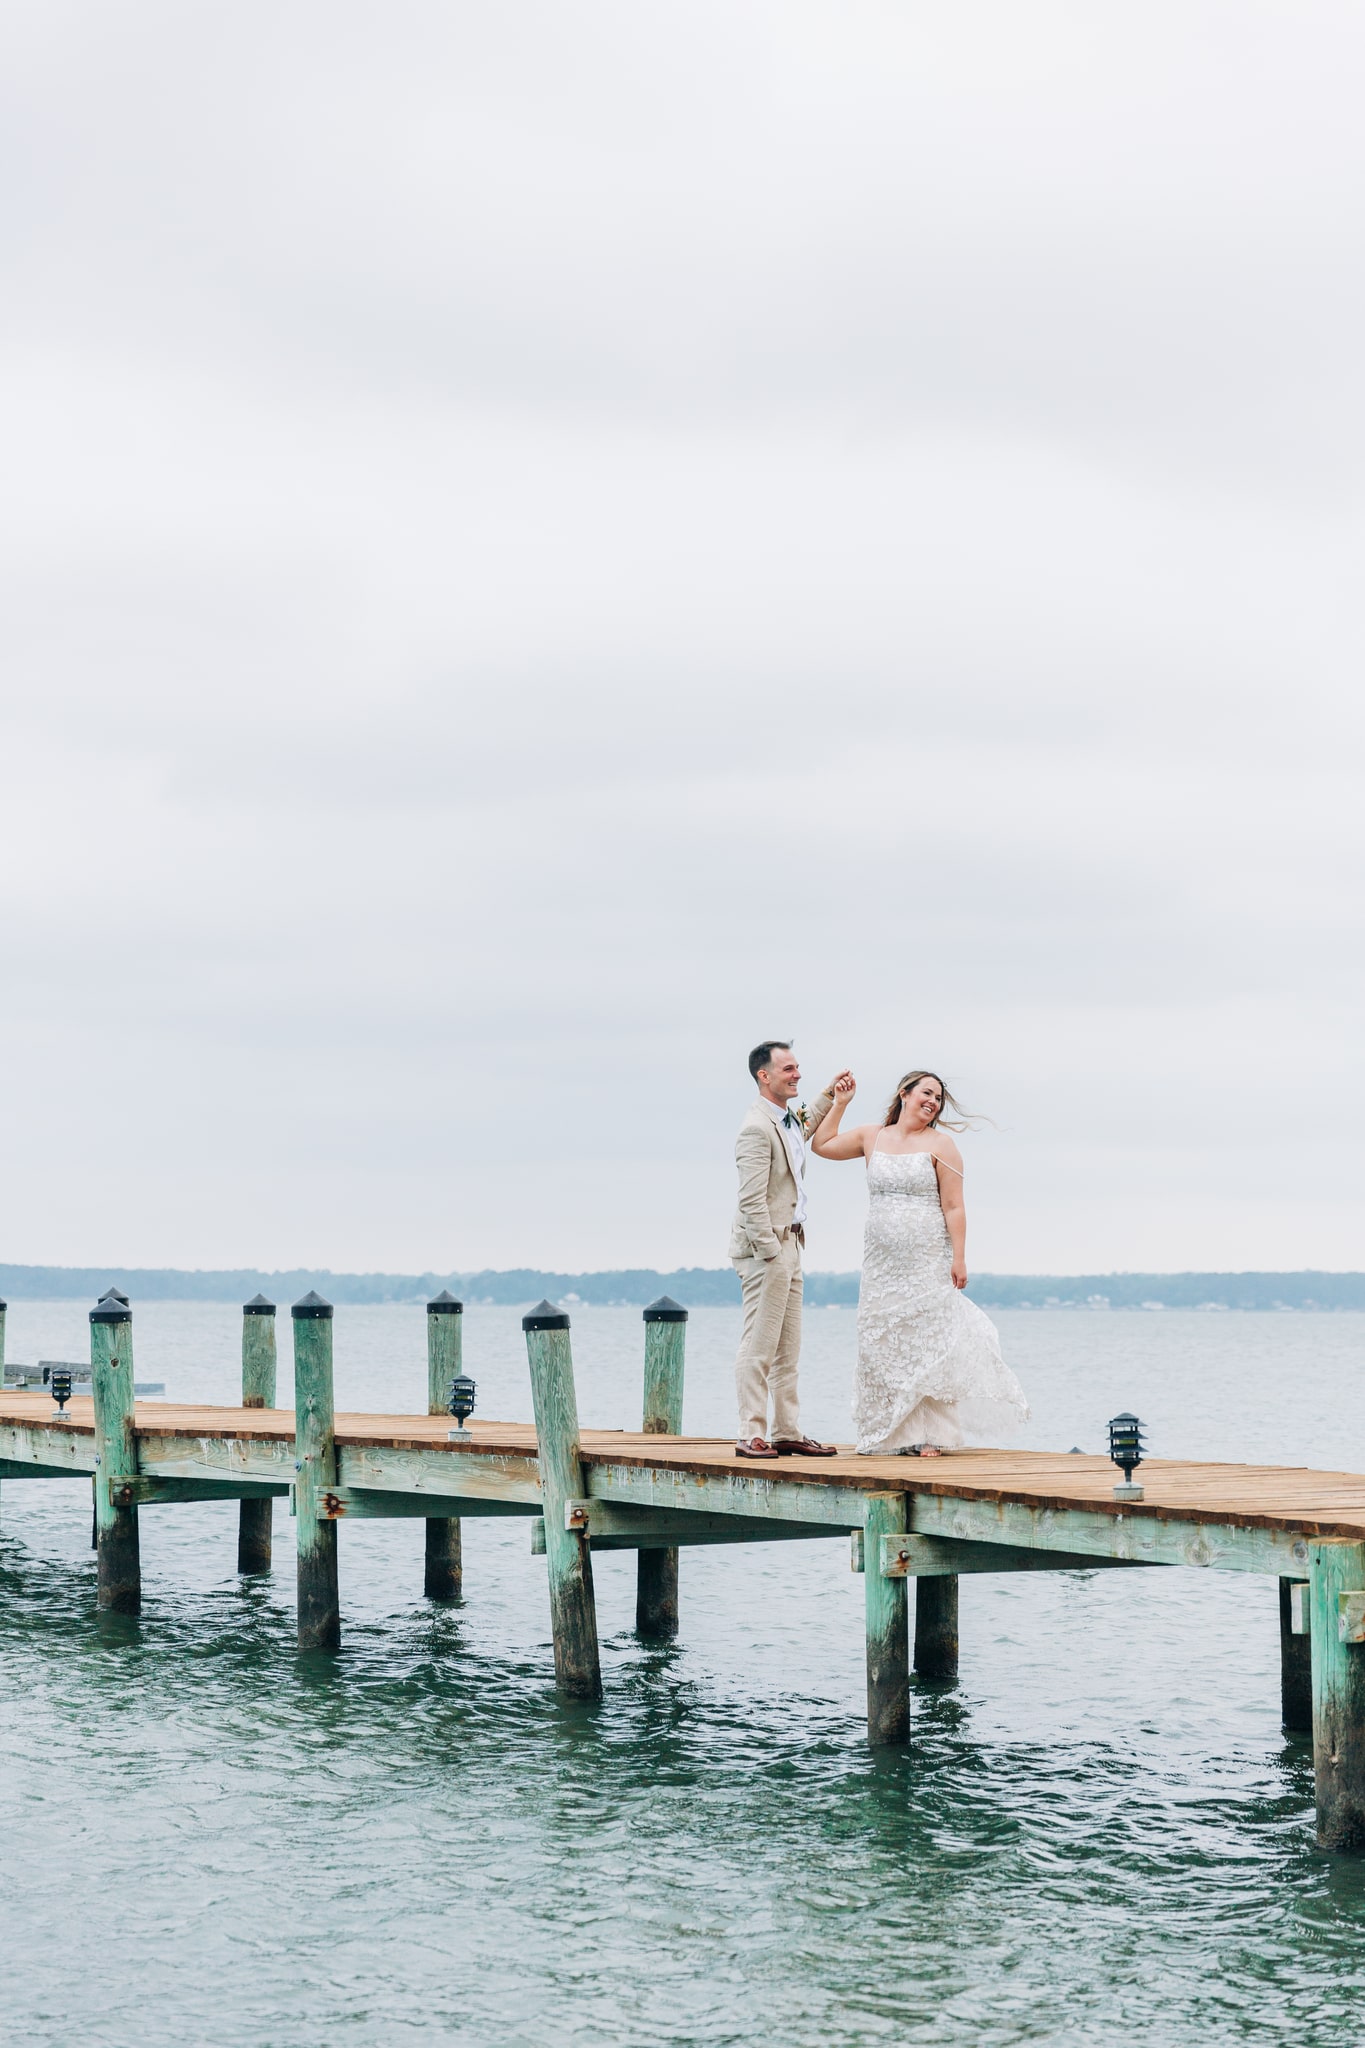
x=659 y=1491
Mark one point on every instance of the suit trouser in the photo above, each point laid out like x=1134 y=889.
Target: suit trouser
x=770 y=1348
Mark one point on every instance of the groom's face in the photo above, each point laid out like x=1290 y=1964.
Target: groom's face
x=783 y=1074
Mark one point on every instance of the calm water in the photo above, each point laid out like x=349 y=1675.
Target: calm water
x=1101 y=1830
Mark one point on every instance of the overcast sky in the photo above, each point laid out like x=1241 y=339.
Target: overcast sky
x=544 y=543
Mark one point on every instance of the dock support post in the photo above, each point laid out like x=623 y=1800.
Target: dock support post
x=1296 y=1669
x=4 y=1310
x=119 y=1569
x=936 y=1628
x=1338 y=1694
x=444 y=1576
x=656 y=1589
x=573 y=1610
x=315 y=1470
x=256 y=1518
x=888 y=1624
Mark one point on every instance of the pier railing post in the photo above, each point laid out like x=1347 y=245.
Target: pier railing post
x=656 y=1592
x=444 y=1577
x=1296 y=1666
x=888 y=1624
x=4 y=1309
x=255 y=1518
x=573 y=1610
x=936 y=1628
x=315 y=1473
x=119 y=1569
x=1338 y=1655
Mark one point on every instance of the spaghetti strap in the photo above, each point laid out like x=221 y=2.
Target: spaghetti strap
x=867 y=1157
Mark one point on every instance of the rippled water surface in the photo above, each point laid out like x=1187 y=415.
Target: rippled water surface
x=1100 y=1832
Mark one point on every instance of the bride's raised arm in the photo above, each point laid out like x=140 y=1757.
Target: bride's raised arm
x=829 y=1141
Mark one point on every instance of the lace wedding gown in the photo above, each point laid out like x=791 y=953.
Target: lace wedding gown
x=929 y=1364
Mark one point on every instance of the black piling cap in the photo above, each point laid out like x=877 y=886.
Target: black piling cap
x=545 y=1316
x=3 y=1306
x=113 y=1309
x=258 y=1306
x=112 y=1294
x=665 y=1310
x=445 y=1304
x=311 y=1307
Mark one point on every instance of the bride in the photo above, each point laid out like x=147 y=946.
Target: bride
x=929 y=1364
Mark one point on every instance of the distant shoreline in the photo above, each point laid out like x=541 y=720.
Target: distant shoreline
x=694 y=1286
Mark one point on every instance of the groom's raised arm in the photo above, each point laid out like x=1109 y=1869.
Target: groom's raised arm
x=753 y=1157
x=818 y=1111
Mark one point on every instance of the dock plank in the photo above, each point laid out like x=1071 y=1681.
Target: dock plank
x=1297 y=1498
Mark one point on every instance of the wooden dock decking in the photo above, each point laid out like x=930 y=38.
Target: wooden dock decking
x=1295 y=1499
x=657 y=1491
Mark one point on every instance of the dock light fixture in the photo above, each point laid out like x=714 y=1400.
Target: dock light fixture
x=60 y=1388
x=462 y=1391
x=1125 y=1448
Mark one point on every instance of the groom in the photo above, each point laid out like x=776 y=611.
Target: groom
x=765 y=1250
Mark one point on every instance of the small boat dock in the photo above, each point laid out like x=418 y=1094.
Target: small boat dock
x=905 y=1522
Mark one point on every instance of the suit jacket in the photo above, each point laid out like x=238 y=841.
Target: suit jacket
x=767 y=1185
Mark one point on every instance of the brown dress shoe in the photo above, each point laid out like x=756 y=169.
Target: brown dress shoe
x=755 y=1447
x=803 y=1447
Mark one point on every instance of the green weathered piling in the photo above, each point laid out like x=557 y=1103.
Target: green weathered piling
x=1296 y=1668
x=111 y=1375
x=1335 y=1569
x=4 y=1308
x=888 y=1624
x=315 y=1473
x=255 y=1518
x=936 y=1628
x=656 y=1590
x=573 y=1610
x=444 y=1579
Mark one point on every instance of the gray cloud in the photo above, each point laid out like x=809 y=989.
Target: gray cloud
x=543 y=545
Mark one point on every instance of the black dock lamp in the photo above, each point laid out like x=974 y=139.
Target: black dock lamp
x=1125 y=1449
x=462 y=1391
x=59 y=1385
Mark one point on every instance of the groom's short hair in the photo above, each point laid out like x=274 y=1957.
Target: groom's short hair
x=762 y=1055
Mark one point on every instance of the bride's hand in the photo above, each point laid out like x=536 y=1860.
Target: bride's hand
x=959 y=1273
x=843 y=1088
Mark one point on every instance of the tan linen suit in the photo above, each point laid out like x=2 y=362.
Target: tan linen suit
x=767 y=1256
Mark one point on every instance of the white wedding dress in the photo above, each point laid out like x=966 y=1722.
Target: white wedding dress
x=929 y=1364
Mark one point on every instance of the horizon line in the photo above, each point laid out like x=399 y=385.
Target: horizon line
x=606 y=1272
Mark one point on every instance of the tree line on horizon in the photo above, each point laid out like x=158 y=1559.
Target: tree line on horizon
x=694 y=1286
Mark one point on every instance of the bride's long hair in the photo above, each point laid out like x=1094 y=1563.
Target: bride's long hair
x=960 y=1120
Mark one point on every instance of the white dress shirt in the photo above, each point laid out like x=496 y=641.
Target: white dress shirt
x=794 y=1138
